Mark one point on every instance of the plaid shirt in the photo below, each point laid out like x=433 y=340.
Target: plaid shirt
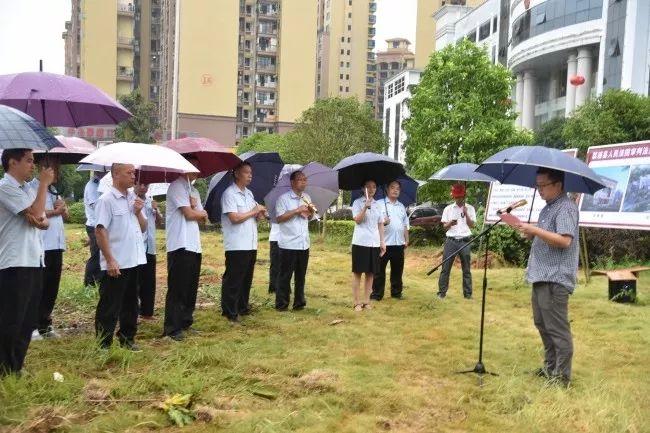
x=551 y=264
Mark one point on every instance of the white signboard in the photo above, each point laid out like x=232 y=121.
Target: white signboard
x=502 y=195
x=625 y=203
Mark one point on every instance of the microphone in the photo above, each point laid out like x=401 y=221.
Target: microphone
x=512 y=206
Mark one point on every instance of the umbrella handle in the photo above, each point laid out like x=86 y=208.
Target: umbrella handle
x=532 y=203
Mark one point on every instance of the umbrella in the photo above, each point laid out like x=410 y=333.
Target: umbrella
x=72 y=151
x=356 y=169
x=407 y=196
x=92 y=167
x=212 y=156
x=518 y=166
x=322 y=188
x=266 y=171
x=461 y=172
x=60 y=100
x=155 y=163
x=19 y=131
x=154 y=189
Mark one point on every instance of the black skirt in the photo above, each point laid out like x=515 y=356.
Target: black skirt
x=365 y=259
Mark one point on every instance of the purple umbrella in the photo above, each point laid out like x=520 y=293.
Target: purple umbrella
x=322 y=188
x=60 y=100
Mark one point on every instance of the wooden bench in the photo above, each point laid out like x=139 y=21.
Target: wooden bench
x=622 y=282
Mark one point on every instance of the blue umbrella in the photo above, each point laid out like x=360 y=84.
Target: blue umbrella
x=461 y=172
x=356 y=169
x=266 y=171
x=19 y=131
x=322 y=188
x=407 y=196
x=518 y=166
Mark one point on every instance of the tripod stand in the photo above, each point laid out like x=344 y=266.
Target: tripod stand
x=479 y=368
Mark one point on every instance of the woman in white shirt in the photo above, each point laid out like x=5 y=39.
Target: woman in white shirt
x=367 y=243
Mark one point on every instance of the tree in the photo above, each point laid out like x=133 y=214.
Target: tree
x=140 y=127
x=616 y=116
x=550 y=133
x=263 y=142
x=332 y=129
x=460 y=112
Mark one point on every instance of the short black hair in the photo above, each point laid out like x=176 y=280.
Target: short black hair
x=553 y=175
x=15 y=154
x=295 y=174
x=394 y=181
x=239 y=167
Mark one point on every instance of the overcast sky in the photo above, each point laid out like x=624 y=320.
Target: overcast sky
x=31 y=30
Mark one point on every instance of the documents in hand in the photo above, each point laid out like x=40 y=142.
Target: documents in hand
x=510 y=219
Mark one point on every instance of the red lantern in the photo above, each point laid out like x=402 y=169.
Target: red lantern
x=577 y=80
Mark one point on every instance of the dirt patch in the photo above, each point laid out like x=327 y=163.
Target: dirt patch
x=45 y=420
x=319 y=380
x=95 y=391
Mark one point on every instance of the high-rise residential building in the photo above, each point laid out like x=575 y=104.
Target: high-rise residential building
x=346 y=60
x=167 y=47
x=240 y=67
x=391 y=62
x=425 y=35
x=115 y=45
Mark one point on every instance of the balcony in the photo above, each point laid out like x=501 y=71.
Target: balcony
x=371 y=44
x=372 y=19
x=265 y=102
x=124 y=73
x=124 y=42
x=265 y=67
x=126 y=9
x=373 y=8
x=267 y=30
x=267 y=49
x=371 y=32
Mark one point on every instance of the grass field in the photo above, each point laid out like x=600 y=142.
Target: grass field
x=387 y=369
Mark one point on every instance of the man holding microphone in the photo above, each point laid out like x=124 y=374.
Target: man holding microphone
x=457 y=219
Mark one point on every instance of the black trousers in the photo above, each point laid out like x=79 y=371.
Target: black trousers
x=147 y=285
x=236 y=283
x=274 y=268
x=51 y=281
x=118 y=300
x=183 y=269
x=93 y=273
x=395 y=256
x=292 y=262
x=20 y=294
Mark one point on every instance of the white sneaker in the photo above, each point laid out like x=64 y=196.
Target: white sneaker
x=36 y=336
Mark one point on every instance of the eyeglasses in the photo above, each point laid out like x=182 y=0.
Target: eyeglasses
x=544 y=185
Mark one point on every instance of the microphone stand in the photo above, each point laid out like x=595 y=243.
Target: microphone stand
x=479 y=368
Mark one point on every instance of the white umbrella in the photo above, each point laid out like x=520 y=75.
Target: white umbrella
x=154 y=189
x=145 y=157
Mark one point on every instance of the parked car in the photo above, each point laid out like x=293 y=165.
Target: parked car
x=426 y=215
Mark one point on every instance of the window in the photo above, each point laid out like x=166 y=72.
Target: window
x=540 y=18
x=389 y=91
x=613 y=49
x=349 y=14
x=399 y=85
x=348 y=52
x=342 y=64
x=340 y=76
x=342 y=38
x=494 y=24
x=347 y=89
x=350 y=2
x=387 y=123
x=484 y=31
x=472 y=36
x=349 y=40
x=340 y=88
x=349 y=27
x=397 y=130
x=342 y=52
x=347 y=64
x=347 y=76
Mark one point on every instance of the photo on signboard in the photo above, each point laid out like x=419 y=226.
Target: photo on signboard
x=637 y=197
x=608 y=199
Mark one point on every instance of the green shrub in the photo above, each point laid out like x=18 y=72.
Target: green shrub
x=77 y=214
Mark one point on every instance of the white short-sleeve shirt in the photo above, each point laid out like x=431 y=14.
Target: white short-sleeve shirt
x=274 y=234
x=181 y=232
x=54 y=237
x=20 y=243
x=294 y=232
x=242 y=236
x=114 y=212
x=91 y=195
x=150 y=235
x=399 y=221
x=454 y=212
x=366 y=233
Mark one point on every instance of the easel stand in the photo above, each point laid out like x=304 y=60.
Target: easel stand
x=479 y=368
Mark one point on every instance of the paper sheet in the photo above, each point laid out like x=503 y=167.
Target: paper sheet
x=510 y=219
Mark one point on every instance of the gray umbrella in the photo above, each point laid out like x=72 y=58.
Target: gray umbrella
x=461 y=172
x=19 y=131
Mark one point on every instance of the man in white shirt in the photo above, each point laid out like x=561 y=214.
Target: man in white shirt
x=184 y=212
x=147 y=272
x=396 y=235
x=239 y=216
x=457 y=219
x=293 y=212
x=93 y=273
x=119 y=226
x=22 y=215
x=53 y=240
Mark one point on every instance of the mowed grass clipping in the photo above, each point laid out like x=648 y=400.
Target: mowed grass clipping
x=329 y=369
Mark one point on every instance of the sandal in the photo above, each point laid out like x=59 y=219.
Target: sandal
x=366 y=306
x=358 y=307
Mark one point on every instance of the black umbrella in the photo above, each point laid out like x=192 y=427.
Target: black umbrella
x=19 y=131
x=266 y=171
x=355 y=170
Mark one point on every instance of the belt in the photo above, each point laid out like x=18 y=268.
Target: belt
x=465 y=239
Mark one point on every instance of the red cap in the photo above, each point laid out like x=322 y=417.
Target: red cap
x=457 y=190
